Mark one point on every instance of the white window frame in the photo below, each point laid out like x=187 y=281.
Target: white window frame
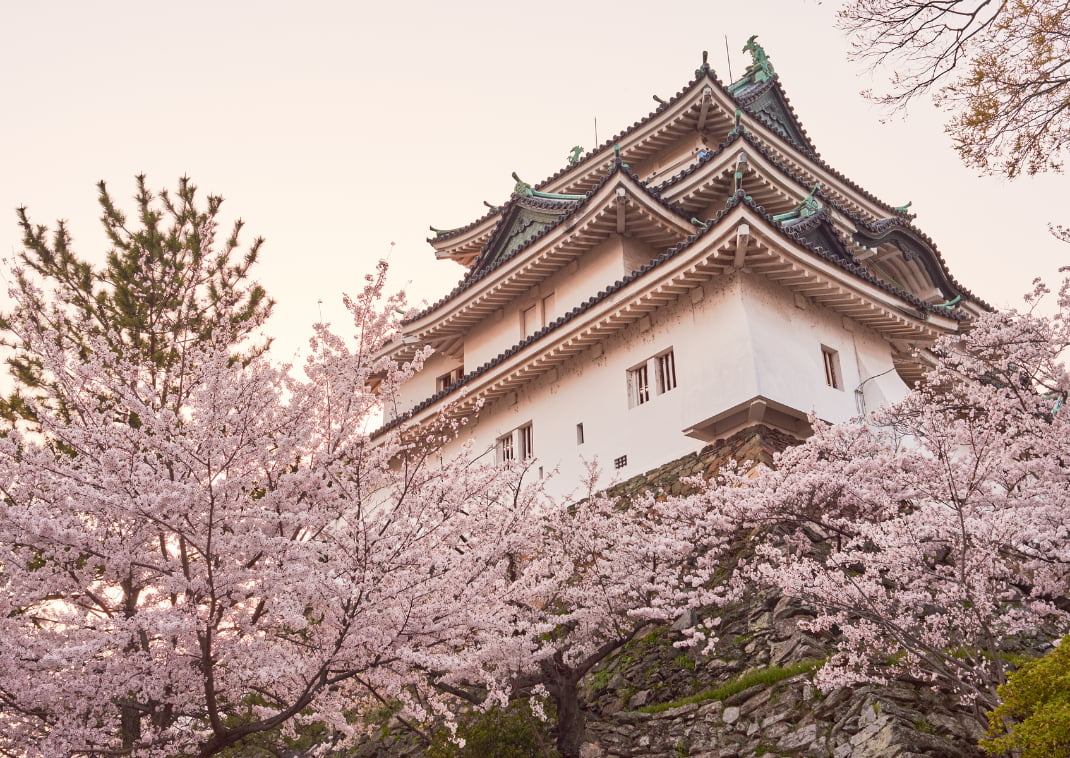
x=639 y=385
x=516 y=445
x=830 y=360
x=665 y=371
x=661 y=368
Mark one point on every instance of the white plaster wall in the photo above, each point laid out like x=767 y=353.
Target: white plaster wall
x=422 y=384
x=593 y=271
x=742 y=336
x=788 y=333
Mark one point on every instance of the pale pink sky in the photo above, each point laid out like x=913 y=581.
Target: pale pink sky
x=336 y=128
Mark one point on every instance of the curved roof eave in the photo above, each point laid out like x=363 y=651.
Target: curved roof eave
x=606 y=185
x=741 y=206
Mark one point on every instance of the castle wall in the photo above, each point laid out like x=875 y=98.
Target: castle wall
x=738 y=338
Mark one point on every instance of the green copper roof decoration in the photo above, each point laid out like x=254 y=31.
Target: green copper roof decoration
x=760 y=66
x=442 y=232
x=522 y=187
x=903 y=207
x=950 y=303
x=525 y=190
x=758 y=71
x=574 y=156
x=738 y=128
x=808 y=207
x=705 y=64
x=493 y=207
x=699 y=224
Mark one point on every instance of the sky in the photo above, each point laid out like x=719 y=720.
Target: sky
x=340 y=131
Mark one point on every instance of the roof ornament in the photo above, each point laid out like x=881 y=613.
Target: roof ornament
x=442 y=232
x=661 y=101
x=903 y=208
x=738 y=191
x=699 y=224
x=705 y=67
x=760 y=68
x=809 y=206
x=493 y=207
x=574 y=156
x=522 y=187
x=617 y=160
x=738 y=128
x=950 y=304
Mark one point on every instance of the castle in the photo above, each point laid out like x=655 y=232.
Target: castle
x=700 y=272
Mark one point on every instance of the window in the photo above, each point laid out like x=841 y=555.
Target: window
x=536 y=316
x=449 y=378
x=621 y=462
x=529 y=321
x=579 y=433
x=505 y=448
x=547 y=309
x=639 y=385
x=831 y=359
x=516 y=445
x=527 y=449
x=663 y=367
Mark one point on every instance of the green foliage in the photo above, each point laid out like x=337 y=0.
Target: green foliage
x=685 y=661
x=766 y=676
x=167 y=284
x=1033 y=720
x=512 y=732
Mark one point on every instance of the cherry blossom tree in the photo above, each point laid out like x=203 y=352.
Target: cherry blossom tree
x=591 y=572
x=931 y=536
x=177 y=577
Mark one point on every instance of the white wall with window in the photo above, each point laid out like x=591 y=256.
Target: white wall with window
x=741 y=338
x=516 y=445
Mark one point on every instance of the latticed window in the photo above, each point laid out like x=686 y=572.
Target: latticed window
x=518 y=444
x=665 y=368
x=639 y=385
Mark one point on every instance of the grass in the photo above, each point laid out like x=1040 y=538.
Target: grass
x=766 y=676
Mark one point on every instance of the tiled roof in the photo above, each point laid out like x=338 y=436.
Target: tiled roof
x=883 y=226
x=477 y=274
x=461 y=229
x=876 y=228
x=749 y=95
x=859 y=271
x=609 y=143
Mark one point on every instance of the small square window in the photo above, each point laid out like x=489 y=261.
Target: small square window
x=831 y=360
x=621 y=462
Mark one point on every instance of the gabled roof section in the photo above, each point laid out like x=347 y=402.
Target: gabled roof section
x=712 y=251
x=514 y=260
x=818 y=230
x=759 y=93
x=704 y=106
x=914 y=245
x=768 y=103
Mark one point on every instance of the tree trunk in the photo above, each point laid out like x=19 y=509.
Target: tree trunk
x=571 y=718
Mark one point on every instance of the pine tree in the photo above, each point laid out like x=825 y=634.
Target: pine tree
x=166 y=285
